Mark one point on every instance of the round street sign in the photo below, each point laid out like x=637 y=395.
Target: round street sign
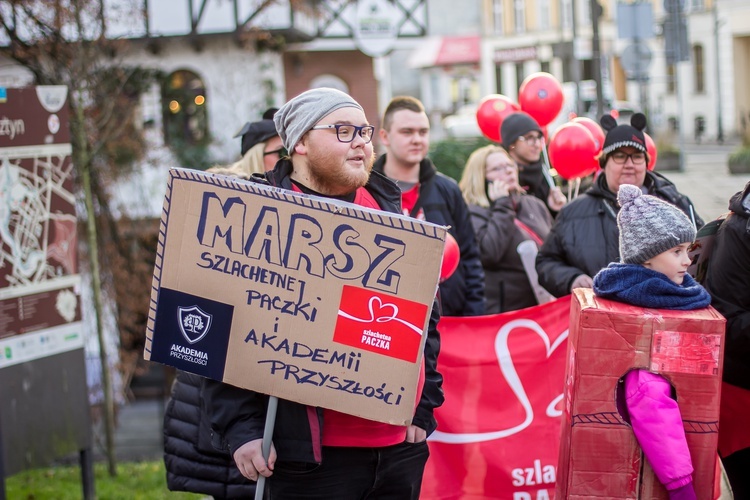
x=376 y=27
x=635 y=60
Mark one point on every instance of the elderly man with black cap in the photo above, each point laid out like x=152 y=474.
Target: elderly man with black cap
x=523 y=139
x=316 y=452
x=584 y=238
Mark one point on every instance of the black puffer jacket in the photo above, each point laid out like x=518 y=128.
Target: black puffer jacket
x=585 y=238
x=238 y=415
x=727 y=281
x=442 y=202
x=192 y=463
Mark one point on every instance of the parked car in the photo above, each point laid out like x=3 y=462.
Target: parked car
x=463 y=123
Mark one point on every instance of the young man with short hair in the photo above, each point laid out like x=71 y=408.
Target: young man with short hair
x=427 y=194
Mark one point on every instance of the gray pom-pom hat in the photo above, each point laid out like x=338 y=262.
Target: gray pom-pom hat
x=649 y=226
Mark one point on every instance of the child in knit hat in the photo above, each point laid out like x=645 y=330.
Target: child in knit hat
x=654 y=241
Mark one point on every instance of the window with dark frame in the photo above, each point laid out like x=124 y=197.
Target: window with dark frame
x=184 y=108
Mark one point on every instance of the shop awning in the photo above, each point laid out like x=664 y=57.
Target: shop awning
x=446 y=51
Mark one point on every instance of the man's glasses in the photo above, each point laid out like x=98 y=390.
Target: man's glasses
x=347 y=133
x=282 y=152
x=620 y=157
x=531 y=138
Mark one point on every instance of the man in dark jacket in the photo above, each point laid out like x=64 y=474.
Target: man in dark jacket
x=727 y=280
x=429 y=195
x=317 y=451
x=584 y=238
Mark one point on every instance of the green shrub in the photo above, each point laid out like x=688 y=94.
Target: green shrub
x=739 y=160
x=450 y=155
x=741 y=155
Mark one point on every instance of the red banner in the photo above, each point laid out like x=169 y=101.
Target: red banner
x=499 y=429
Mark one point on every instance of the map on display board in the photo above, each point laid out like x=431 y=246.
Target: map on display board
x=42 y=367
x=38 y=268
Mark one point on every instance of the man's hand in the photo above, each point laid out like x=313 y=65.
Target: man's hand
x=250 y=462
x=415 y=434
x=556 y=199
x=582 y=281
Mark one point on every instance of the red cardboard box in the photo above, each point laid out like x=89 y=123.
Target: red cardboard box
x=599 y=455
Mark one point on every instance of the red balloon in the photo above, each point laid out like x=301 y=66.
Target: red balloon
x=451 y=256
x=491 y=112
x=596 y=130
x=573 y=151
x=651 y=149
x=541 y=96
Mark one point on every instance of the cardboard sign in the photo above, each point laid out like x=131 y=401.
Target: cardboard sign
x=599 y=455
x=305 y=298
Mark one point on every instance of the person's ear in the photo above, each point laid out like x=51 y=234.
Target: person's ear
x=383 y=133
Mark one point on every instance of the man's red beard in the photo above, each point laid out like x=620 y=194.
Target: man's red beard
x=330 y=176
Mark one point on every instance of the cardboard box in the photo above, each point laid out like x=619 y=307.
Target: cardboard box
x=599 y=455
x=305 y=298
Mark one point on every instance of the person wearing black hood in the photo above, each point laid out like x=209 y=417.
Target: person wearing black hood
x=584 y=238
x=522 y=137
x=727 y=282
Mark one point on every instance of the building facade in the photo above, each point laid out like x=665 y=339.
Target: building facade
x=708 y=91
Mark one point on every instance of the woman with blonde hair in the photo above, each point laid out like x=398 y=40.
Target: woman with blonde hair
x=510 y=227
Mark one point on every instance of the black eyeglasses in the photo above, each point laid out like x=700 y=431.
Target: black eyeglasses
x=347 y=133
x=531 y=138
x=621 y=157
x=282 y=152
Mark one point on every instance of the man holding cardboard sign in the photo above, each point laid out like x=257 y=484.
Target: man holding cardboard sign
x=317 y=452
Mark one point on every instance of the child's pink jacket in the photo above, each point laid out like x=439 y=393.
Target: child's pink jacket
x=658 y=427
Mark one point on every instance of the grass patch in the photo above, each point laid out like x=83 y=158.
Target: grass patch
x=134 y=481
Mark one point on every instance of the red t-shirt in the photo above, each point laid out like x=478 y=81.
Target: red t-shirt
x=341 y=429
x=409 y=199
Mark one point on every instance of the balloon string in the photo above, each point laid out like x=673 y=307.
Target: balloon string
x=545 y=165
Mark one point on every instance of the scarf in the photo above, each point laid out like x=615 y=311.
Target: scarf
x=643 y=287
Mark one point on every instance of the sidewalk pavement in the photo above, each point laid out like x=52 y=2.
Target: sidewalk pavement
x=706 y=179
x=139 y=430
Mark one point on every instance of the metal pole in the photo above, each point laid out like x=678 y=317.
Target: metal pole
x=719 y=125
x=596 y=57
x=680 y=107
x=87 y=473
x=576 y=64
x=2 y=464
x=273 y=404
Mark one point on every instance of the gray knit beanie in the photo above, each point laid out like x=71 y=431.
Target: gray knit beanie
x=303 y=112
x=649 y=226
